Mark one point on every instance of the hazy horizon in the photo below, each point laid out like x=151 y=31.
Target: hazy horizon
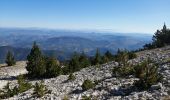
x=130 y=16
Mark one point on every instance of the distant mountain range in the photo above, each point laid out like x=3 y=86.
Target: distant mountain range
x=62 y=43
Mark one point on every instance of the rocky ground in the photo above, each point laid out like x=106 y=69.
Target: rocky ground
x=108 y=87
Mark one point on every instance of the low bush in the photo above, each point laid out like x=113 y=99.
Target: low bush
x=10 y=60
x=22 y=84
x=40 y=89
x=71 y=77
x=148 y=75
x=123 y=71
x=21 y=87
x=65 y=98
x=6 y=92
x=86 y=97
x=87 y=84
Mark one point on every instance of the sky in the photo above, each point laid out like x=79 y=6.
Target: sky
x=141 y=16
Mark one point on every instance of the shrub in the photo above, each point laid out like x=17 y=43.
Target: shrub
x=132 y=55
x=148 y=75
x=65 y=70
x=123 y=71
x=6 y=92
x=39 y=89
x=71 y=77
x=22 y=87
x=86 y=97
x=65 y=98
x=122 y=57
x=10 y=60
x=22 y=84
x=87 y=84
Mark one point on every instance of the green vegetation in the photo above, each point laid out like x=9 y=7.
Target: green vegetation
x=84 y=60
x=10 y=60
x=161 y=38
x=97 y=59
x=6 y=92
x=10 y=92
x=22 y=84
x=74 y=64
x=123 y=56
x=36 y=62
x=148 y=75
x=87 y=84
x=65 y=98
x=52 y=67
x=39 y=66
x=86 y=97
x=123 y=71
x=147 y=72
x=71 y=77
x=39 y=89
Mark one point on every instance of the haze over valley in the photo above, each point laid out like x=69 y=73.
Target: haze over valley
x=63 y=43
x=84 y=50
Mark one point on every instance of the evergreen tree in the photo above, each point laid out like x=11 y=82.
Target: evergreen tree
x=36 y=62
x=52 y=67
x=74 y=63
x=84 y=61
x=105 y=59
x=108 y=55
x=131 y=55
x=160 y=38
x=97 y=59
x=10 y=59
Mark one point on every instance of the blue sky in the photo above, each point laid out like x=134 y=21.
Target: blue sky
x=143 y=16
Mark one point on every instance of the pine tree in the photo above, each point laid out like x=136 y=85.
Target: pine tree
x=108 y=55
x=84 y=61
x=52 y=67
x=161 y=37
x=10 y=59
x=97 y=59
x=74 y=64
x=36 y=62
x=105 y=59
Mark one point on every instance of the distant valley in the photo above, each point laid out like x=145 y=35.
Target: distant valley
x=62 y=43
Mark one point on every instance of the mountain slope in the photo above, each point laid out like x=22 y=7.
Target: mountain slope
x=108 y=87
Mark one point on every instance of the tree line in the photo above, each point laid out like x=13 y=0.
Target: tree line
x=41 y=66
x=160 y=38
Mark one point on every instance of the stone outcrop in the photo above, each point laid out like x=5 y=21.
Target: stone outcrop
x=107 y=87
